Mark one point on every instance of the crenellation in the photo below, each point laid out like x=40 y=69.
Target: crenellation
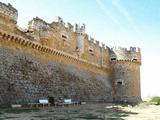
x=56 y=43
x=70 y=27
x=86 y=36
x=9 y=11
x=38 y=29
x=38 y=24
x=107 y=47
x=80 y=29
x=60 y=21
x=97 y=43
x=138 y=49
x=91 y=39
x=122 y=49
x=135 y=49
x=103 y=45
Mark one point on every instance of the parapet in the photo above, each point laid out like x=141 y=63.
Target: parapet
x=60 y=21
x=38 y=24
x=135 y=49
x=131 y=49
x=9 y=11
x=70 y=26
x=80 y=29
x=97 y=44
x=124 y=54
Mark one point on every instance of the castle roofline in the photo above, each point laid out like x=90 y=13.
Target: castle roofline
x=8 y=11
x=9 y=6
x=124 y=49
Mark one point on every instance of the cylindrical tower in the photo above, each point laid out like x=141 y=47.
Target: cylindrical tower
x=80 y=39
x=126 y=74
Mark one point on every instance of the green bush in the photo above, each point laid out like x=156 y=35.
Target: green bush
x=51 y=100
x=155 y=100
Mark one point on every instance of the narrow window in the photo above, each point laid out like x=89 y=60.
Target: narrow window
x=91 y=51
x=119 y=82
x=113 y=58
x=63 y=36
x=135 y=59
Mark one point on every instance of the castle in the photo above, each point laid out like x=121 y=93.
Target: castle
x=58 y=59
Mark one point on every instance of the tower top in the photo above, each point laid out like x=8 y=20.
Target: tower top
x=124 y=54
x=80 y=29
x=8 y=11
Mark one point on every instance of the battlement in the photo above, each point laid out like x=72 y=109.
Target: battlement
x=38 y=24
x=42 y=26
x=97 y=44
x=51 y=46
x=13 y=38
x=124 y=54
x=131 y=49
x=60 y=21
x=9 y=11
x=80 y=29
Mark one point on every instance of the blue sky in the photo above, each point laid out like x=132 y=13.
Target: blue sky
x=114 y=22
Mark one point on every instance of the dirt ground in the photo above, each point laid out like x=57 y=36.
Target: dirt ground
x=86 y=112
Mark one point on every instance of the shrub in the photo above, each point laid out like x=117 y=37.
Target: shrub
x=51 y=100
x=155 y=100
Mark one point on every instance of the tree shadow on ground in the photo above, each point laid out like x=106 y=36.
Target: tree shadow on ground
x=117 y=113
x=82 y=112
x=88 y=113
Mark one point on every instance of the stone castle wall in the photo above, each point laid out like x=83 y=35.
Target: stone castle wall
x=53 y=59
x=25 y=78
x=34 y=71
x=61 y=37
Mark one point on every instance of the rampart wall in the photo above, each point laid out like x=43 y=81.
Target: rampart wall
x=30 y=71
x=53 y=59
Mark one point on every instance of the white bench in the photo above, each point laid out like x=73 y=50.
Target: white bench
x=42 y=102
x=16 y=106
x=70 y=102
x=67 y=101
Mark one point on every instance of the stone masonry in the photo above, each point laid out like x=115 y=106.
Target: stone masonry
x=53 y=59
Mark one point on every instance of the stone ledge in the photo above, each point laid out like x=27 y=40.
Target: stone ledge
x=125 y=61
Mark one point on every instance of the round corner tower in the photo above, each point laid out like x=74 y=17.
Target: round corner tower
x=126 y=74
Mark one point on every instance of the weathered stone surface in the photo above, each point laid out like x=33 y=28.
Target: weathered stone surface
x=52 y=59
x=24 y=78
x=126 y=79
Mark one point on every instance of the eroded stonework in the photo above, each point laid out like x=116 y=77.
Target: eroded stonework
x=53 y=59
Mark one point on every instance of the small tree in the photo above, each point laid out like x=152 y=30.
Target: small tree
x=51 y=99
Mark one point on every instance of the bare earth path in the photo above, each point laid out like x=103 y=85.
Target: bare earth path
x=86 y=112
